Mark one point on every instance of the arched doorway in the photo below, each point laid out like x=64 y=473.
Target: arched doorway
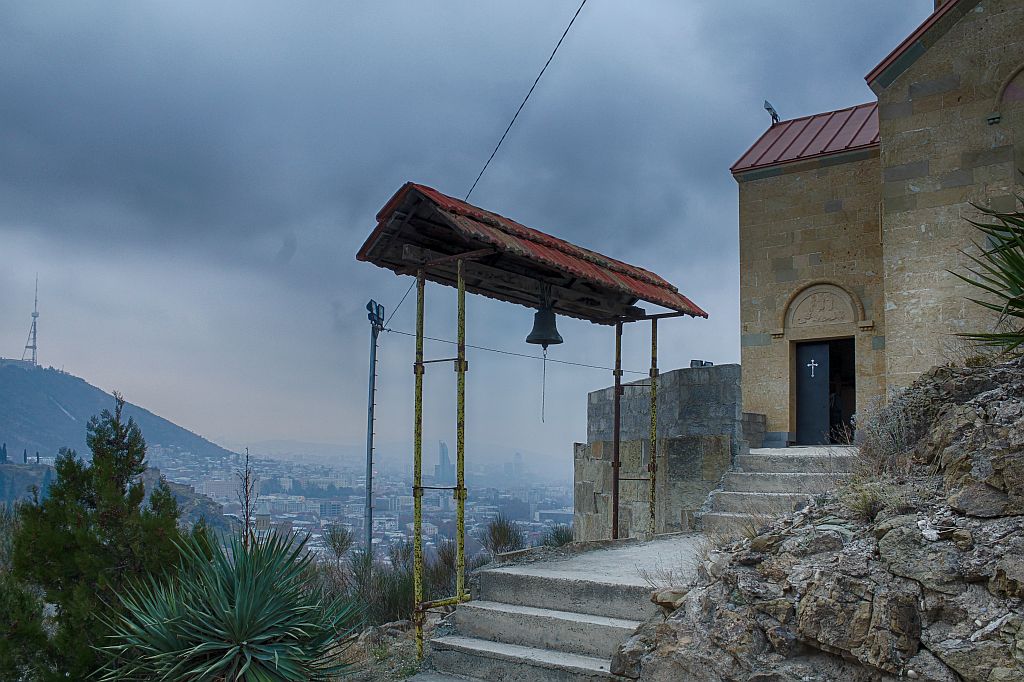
x=821 y=324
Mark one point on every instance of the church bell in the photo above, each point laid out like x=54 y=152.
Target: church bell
x=544 y=333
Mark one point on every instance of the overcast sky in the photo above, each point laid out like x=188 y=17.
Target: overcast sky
x=192 y=180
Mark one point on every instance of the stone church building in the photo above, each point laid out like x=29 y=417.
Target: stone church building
x=851 y=220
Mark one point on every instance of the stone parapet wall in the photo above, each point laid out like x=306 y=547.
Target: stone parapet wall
x=700 y=431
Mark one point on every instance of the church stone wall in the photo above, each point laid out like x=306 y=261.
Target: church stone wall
x=938 y=154
x=810 y=229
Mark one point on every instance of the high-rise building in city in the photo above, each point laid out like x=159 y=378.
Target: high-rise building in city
x=444 y=470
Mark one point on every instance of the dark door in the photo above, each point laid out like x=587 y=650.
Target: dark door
x=812 y=408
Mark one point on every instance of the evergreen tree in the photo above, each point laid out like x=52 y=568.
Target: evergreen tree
x=92 y=534
x=25 y=650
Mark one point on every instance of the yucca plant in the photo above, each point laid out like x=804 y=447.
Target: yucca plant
x=999 y=271
x=244 y=613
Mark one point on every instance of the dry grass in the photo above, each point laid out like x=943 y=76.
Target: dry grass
x=756 y=522
x=680 y=570
x=866 y=499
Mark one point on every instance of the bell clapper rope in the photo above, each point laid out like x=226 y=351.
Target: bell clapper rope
x=543 y=383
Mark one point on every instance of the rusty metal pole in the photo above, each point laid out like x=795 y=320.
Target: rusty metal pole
x=617 y=430
x=417 y=476
x=652 y=464
x=460 y=442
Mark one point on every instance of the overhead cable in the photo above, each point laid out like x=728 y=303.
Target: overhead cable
x=525 y=99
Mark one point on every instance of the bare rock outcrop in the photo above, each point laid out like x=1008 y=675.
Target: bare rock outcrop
x=928 y=584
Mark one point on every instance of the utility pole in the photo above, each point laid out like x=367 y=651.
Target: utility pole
x=376 y=317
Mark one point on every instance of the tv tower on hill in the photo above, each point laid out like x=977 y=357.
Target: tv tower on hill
x=31 y=344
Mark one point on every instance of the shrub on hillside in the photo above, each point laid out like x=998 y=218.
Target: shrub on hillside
x=558 y=535
x=502 y=535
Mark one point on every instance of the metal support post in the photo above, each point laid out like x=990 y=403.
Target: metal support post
x=460 y=441
x=417 y=476
x=376 y=317
x=652 y=464
x=617 y=430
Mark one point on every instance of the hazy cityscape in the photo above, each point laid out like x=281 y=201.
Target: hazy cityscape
x=307 y=497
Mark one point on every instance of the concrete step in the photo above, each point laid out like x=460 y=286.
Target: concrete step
x=510 y=585
x=758 y=503
x=500 y=662
x=780 y=482
x=795 y=460
x=575 y=633
x=431 y=676
x=729 y=525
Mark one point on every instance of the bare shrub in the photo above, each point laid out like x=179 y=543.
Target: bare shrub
x=502 y=535
x=886 y=438
x=558 y=535
x=959 y=352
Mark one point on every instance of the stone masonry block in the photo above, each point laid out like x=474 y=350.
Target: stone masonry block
x=958 y=178
x=987 y=157
x=893 y=110
x=630 y=456
x=906 y=171
x=583 y=494
x=684 y=458
x=900 y=204
x=935 y=86
x=716 y=457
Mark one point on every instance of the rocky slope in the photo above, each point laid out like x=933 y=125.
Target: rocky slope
x=913 y=571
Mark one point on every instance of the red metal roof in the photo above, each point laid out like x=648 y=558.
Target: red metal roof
x=813 y=136
x=911 y=40
x=507 y=237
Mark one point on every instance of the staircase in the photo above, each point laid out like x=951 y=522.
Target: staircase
x=551 y=621
x=767 y=482
x=561 y=621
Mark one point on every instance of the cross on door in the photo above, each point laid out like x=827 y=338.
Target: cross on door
x=812 y=364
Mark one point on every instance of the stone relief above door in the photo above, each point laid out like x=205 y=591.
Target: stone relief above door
x=821 y=304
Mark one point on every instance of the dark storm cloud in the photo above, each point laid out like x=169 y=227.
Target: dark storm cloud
x=248 y=145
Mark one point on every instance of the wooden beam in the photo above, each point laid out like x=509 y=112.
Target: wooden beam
x=603 y=308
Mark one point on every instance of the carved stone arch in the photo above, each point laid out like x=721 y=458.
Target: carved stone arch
x=997 y=104
x=818 y=305
x=822 y=302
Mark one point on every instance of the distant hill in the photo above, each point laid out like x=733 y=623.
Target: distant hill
x=44 y=410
